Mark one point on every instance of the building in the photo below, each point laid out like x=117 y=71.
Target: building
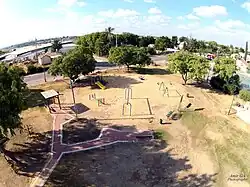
x=44 y=59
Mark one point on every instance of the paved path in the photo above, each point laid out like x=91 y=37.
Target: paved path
x=108 y=136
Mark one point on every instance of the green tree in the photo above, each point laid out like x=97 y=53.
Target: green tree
x=161 y=44
x=242 y=50
x=12 y=103
x=199 y=68
x=145 y=41
x=174 y=41
x=129 y=55
x=183 y=39
x=56 y=45
x=181 y=62
x=109 y=31
x=225 y=68
x=78 y=61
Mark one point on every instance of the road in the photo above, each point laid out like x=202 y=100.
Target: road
x=38 y=78
x=101 y=64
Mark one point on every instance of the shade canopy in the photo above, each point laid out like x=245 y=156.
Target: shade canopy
x=49 y=94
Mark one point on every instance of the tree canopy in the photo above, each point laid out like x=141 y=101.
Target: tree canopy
x=127 y=55
x=190 y=66
x=12 y=102
x=77 y=61
x=56 y=45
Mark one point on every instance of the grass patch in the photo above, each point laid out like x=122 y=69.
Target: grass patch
x=195 y=122
x=33 y=96
x=58 y=86
x=230 y=149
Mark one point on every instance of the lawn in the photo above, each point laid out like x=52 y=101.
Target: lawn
x=228 y=145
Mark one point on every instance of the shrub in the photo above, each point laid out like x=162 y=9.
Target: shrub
x=31 y=69
x=151 y=51
x=245 y=95
x=231 y=87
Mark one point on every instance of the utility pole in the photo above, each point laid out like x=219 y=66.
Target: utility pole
x=246 y=51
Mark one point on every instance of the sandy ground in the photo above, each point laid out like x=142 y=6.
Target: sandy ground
x=189 y=162
x=182 y=145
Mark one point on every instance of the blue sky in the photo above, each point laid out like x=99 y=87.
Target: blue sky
x=225 y=21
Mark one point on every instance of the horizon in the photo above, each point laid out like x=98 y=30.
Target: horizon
x=222 y=21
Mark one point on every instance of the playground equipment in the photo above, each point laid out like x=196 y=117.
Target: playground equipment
x=180 y=103
x=128 y=95
x=98 y=83
x=100 y=101
x=164 y=88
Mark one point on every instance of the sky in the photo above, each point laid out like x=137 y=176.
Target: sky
x=224 y=21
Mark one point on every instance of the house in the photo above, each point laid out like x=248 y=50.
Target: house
x=44 y=59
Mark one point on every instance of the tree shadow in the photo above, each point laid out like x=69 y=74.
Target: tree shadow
x=31 y=155
x=119 y=81
x=82 y=129
x=151 y=71
x=206 y=86
x=128 y=164
x=33 y=98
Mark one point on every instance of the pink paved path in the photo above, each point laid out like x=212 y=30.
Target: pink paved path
x=107 y=136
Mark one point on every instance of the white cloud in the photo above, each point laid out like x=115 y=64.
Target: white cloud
x=154 y=10
x=246 y=5
x=81 y=3
x=70 y=3
x=180 y=18
x=118 y=13
x=231 y=24
x=149 y=1
x=67 y=3
x=157 y=19
x=192 y=17
x=210 y=11
x=129 y=1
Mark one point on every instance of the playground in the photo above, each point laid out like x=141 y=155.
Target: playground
x=198 y=135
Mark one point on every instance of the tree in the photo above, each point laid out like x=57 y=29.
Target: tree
x=174 y=41
x=12 y=103
x=109 y=31
x=145 y=41
x=161 y=43
x=129 y=55
x=183 y=39
x=199 y=68
x=181 y=62
x=56 y=45
x=78 y=61
x=242 y=50
x=225 y=69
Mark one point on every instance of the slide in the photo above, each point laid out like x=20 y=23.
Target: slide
x=98 y=83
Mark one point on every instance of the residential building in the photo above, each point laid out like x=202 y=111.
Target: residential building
x=44 y=59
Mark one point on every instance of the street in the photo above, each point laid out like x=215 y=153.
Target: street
x=102 y=64
x=38 y=78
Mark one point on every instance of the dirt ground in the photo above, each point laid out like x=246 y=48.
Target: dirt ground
x=204 y=148
x=213 y=143
x=32 y=150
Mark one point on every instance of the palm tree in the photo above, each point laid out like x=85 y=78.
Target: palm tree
x=56 y=45
x=109 y=31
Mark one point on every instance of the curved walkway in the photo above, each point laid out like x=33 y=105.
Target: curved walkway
x=108 y=136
